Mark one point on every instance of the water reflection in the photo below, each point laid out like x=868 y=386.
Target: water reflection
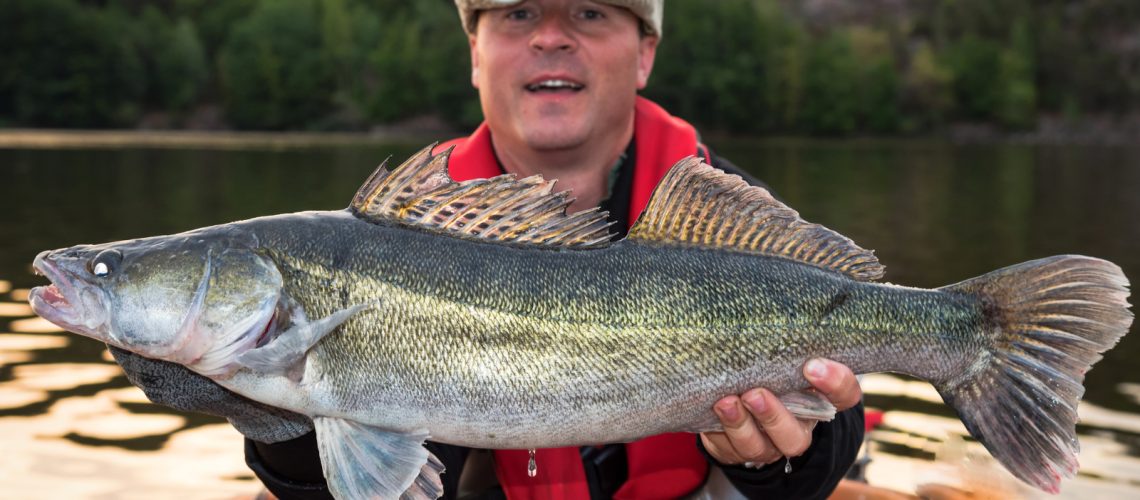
x=33 y=325
x=204 y=462
x=948 y=456
x=17 y=342
x=936 y=214
x=73 y=427
x=15 y=309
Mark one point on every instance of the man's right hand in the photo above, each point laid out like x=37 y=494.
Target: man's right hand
x=176 y=386
x=759 y=430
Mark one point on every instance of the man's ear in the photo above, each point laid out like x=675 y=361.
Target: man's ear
x=647 y=51
x=474 y=61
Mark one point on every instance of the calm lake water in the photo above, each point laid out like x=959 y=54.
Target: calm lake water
x=935 y=214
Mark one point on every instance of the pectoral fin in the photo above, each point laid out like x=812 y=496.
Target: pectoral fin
x=362 y=462
x=291 y=345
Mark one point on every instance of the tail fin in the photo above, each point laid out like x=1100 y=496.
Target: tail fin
x=1051 y=319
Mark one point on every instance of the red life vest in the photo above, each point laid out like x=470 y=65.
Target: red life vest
x=664 y=466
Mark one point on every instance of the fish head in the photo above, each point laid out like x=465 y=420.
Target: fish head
x=198 y=299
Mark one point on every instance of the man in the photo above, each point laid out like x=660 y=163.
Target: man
x=558 y=82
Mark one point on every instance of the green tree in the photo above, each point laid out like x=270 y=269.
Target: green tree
x=830 y=86
x=786 y=89
x=273 y=71
x=1018 y=91
x=975 y=63
x=420 y=67
x=733 y=65
x=172 y=55
x=181 y=71
x=783 y=53
x=876 y=80
x=928 y=93
x=337 y=41
x=66 y=66
x=214 y=20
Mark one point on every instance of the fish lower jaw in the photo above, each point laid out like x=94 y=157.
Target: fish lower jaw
x=50 y=303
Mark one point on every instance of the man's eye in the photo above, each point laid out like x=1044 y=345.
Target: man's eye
x=518 y=15
x=592 y=14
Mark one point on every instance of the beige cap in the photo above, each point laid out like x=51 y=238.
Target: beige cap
x=648 y=10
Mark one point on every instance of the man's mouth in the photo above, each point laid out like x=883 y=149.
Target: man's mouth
x=554 y=85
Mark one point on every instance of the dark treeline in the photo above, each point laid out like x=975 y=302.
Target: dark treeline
x=741 y=66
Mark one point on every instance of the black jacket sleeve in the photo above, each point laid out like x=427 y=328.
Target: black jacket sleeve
x=815 y=474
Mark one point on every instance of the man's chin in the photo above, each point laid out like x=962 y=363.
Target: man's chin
x=554 y=137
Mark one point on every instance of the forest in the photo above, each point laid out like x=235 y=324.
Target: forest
x=747 y=67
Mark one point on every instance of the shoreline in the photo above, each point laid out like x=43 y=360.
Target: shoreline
x=191 y=139
x=1051 y=131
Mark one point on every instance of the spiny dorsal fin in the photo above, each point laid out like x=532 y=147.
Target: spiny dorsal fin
x=700 y=205
x=421 y=193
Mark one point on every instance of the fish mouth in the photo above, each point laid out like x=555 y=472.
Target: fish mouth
x=64 y=302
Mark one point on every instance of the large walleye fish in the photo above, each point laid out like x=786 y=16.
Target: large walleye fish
x=480 y=314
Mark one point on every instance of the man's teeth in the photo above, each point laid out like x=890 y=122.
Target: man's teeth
x=554 y=84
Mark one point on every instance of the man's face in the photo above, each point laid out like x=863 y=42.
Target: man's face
x=552 y=74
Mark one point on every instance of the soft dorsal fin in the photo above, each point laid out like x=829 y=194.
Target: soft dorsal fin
x=699 y=205
x=524 y=211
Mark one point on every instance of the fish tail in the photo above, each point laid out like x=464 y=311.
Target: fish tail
x=1047 y=322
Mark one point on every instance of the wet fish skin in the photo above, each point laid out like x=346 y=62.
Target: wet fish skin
x=588 y=330
x=387 y=332
x=549 y=348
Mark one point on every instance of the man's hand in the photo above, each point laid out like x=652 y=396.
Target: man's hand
x=176 y=386
x=758 y=429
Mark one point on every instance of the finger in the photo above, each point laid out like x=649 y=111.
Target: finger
x=808 y=424
x=784 y=431
x=716 y=443
x=743 y=435
x=835 y=381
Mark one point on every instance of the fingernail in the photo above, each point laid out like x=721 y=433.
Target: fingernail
x=728 y=411
x=756 y=401
x=816 y=369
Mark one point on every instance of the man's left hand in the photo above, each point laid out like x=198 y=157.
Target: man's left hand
x=759 y=430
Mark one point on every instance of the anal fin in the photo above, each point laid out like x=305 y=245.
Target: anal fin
x=808 y=405
x=805 y=404
x=428 y=483
x=363 y=462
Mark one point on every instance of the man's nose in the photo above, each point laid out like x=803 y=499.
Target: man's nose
x=553 y=33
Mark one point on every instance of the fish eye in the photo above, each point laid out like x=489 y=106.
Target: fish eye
x=105 y=263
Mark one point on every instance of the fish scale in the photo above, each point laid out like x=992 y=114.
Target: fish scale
x=686 y=315
x=481 y=315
